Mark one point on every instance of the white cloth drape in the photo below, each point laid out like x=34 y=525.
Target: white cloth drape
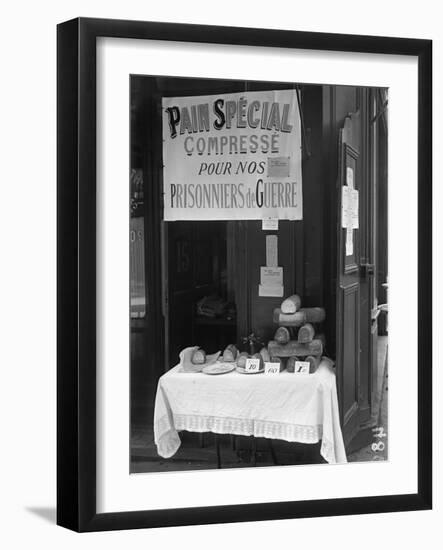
x=288 y=406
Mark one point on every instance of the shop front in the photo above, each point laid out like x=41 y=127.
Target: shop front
x=258 y=230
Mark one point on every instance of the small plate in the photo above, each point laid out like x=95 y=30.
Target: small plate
x=242 y=370
x=218 y=368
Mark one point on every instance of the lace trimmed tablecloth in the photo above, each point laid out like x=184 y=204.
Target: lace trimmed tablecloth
x=293 y=407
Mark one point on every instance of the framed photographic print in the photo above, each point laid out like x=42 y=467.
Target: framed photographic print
x=244 y=274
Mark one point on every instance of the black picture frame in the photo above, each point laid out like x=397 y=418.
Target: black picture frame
x=76 y=266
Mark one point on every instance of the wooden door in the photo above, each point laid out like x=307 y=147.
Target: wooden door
x=348 y=345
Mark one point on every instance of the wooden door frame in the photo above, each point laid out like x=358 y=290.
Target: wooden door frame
x=153 y=209
x=333 y=252
x=366 y=239
x=348 y=281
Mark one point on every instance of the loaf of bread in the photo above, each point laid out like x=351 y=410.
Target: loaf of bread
x=198 y=357
x=294 y=348
x=230 y=353
x=314 y=314
x=290 y=363
x=282 y=335
x=265 y=354
x=314 y=362
x=320 y=336
x=291 y=304
x=289 y=319
x=241 y=359
x=306 y=333
x=258 y=356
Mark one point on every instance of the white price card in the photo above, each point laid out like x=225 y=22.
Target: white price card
x=301 y=367
x=272 y=368
x=253 y=365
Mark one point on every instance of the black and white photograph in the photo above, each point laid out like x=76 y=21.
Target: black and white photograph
x=220 y=275
x=259 y=274
x=244 y=254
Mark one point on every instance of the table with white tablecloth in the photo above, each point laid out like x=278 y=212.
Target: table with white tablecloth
x=293 y=407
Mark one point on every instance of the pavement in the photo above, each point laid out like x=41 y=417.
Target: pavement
x=378 y=448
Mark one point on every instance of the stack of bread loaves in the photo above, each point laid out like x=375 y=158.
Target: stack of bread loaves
x=296 y=338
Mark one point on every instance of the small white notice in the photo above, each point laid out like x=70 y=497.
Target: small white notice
x=253 y=364
x=349 y=241
x=272 y=368
x=349 y=207
x=271 y=276
x=354 y=208
x=270 y=224
x=350 y=176
x=301 y=367
x=271 y=291
x=278 y=167
x=345 y=206
x=271 y=250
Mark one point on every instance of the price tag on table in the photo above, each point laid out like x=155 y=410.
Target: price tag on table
x=272 y=368
x=301 y=367
x=252 y=364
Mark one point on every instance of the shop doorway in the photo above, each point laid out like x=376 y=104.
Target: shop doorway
x=199 y=293
x=211 y=278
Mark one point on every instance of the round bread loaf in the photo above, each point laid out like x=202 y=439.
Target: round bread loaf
x=290 y=363
x=306 y=333
x=265 y=354
x=230 y=353
x=241 y=359
x=291 y=304
x=198 y=357
x=282 y=335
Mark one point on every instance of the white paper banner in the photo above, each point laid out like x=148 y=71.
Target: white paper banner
x=232 y=156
